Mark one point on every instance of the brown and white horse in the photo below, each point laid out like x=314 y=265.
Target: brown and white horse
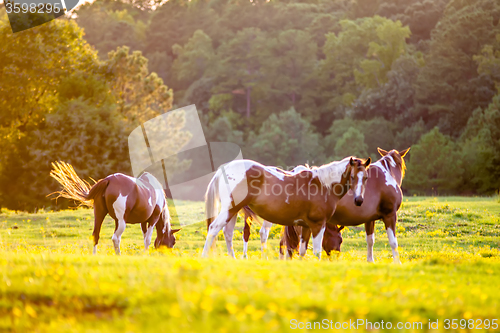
x=383 y=198
x=126 y=199
x=290 y=240
x=308 y=198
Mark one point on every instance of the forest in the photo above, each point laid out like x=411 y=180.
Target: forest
x=291 y=82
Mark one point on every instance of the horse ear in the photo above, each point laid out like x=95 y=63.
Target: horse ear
x=382 y=152
x=351 y=162
x=404 y=152
x=173 y=231
x=368 y=161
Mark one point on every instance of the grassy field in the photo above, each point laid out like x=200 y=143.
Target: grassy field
x=449 y=247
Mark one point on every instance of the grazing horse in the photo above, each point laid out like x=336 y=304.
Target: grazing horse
x=308 y=198
x=290 y=239
x=383 y=198
x=126 y=199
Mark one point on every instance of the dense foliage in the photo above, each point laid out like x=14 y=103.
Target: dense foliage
x=290 y=81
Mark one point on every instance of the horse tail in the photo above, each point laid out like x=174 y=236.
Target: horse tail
x=291 y=237
x=212 y=199
x=249 y=215
x=75 y=188
x=97 y=189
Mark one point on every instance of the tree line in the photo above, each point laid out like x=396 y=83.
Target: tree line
x=291 y=82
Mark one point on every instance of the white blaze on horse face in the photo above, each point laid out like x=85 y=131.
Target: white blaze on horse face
x=318 y=242
x=149 y=201
x=389 y=179
x=359 y=186
x=119 y=207
x=370 y=240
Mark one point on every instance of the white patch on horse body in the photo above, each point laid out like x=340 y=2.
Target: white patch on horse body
x=370 y=240
x=392 y=162
x=359 y=187
x=121 y=174
x=318 y=243
x=302 y=248
x=147 y=237
x=276 y=172
x=119 y=207
x=245 y=248
x=331 y=173
x=389 y=179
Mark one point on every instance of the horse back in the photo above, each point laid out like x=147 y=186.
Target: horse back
x=138 y=197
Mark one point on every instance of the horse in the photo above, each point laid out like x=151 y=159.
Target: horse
x=383 y=198
x=290 y=239
x=293 y=205
x=126 y=199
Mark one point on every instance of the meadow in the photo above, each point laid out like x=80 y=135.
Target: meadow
x=449 y=248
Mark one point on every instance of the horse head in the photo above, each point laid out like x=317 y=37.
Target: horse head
x=358 y=177
x=166 y=239
x=332 y=238
x=165 y=234
x=395 y=161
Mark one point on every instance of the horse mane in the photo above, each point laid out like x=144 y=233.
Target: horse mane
x=331 y=173
x=401 y=161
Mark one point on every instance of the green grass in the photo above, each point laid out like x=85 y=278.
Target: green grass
x=449 y=247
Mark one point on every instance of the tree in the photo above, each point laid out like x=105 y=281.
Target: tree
x=352 y=143
x=481 y=147
x=239 y=67
x=286 y=140
x=140 y=95
x=62 y=102
x=376 y=132
x=193 y=58
x=358 y=57
x=449 y=87
x=435 y=165
x=394 y=100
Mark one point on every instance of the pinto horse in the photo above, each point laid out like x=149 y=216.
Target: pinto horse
x=308 y=198
x=126 y=199
x=383 y=197
x=290 y=240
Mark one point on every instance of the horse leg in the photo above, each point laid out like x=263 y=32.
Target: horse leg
x=117 y=236
x=264 y=234
x=100 y=212
x=147 y=231
x=318 y=230
x=390 y=228
x=246 y=237
x=228 y=235
x=220 y=221
x=119 y=206
x=370 y=239
x=304 y=241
